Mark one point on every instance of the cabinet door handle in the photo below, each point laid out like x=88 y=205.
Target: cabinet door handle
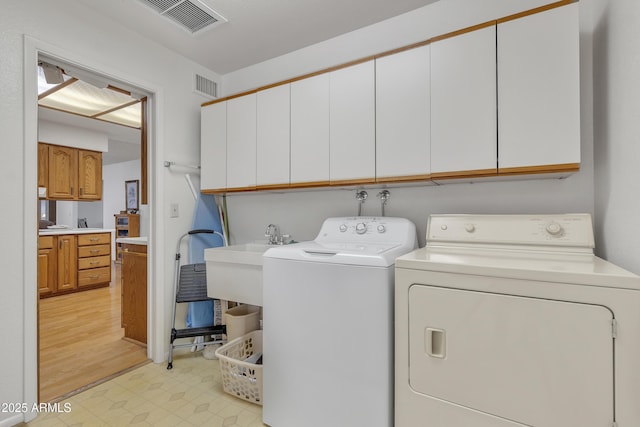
x=94 y=239
x=94 y=251
x=71 y=190
x=94 y=262
x=81 y=191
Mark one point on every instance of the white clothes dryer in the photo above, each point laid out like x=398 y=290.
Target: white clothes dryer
x=328 y=325
x=510 y=320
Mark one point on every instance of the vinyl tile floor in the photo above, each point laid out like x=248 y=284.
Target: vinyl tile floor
x=188 y=395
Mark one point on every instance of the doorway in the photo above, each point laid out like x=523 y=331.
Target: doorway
x=79 y=334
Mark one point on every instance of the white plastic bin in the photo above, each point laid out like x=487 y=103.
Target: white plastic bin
x=241 y=320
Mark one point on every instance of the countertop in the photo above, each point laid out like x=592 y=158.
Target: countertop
x=59 y=231
x=132 y=240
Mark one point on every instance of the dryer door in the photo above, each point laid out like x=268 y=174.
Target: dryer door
x=538 y=362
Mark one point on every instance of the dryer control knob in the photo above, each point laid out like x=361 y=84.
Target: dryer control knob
x=343 y=228
x=554 y=228
x=470 y=228
x=381 y=228
x=361 y=228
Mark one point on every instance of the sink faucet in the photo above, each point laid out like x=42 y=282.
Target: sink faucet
x=273 y=233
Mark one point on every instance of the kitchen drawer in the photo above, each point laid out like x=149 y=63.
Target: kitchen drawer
x=94 y=239
x=94 y=276
x=130 y=247
x=89 y=251
x=45 y=242
x=94 y=262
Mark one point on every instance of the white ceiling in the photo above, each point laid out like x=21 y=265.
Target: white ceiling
x=256 y=30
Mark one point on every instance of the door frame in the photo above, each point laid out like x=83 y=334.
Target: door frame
x=33 y=47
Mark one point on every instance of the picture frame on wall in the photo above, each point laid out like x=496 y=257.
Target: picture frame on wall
x=131 y=191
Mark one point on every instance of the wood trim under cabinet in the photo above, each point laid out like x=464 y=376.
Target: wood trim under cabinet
x=539 y=9
x=478 y=173
x=529 y=170
x=407 y=178
x=347 y=182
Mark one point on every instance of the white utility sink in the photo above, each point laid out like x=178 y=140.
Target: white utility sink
x=234 y=273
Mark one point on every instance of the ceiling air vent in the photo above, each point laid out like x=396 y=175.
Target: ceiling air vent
x=191 y=15
x=206 y=87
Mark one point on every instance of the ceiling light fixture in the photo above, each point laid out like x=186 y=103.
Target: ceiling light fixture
x=52 y=74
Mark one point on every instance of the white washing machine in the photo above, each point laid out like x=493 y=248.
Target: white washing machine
x=505 y=321
x=328 y=325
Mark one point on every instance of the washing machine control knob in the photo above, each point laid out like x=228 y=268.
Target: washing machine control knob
x=554 y=228
x=361 y=228
x=381 y=228
x=343 y=228
x=470 y=228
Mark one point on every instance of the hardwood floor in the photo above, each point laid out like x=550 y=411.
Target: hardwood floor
x=80 y=340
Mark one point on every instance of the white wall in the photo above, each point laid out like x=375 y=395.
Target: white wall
x=301 y=213
x=70 y=136
x=66 y=29
x=617 y=136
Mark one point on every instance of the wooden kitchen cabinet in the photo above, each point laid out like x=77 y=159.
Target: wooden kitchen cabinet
x=310 y=131
x=463 y=105
x=94 y=259
x=213 y=147
x=63 y=173
x=539 y=92
x=89 y=175
x=73 y=262
x=403 y=116
x=67 y=264
x=352 y=118
x=71 y=173
x=43 y=165
x=134 y=292
x=47 y=265
x=273 y=136
x=241 y=142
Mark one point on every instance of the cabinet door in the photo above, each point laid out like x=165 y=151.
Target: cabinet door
x=539 y=90
x=310 y=130
x=47 y=269
x=43 y=164
x=134 y=295
x=67 y=263
x=89 y=175
x=274 y=131
x=463 y=104
x=403 y=115
x=241 y=142
x=63 y=172
x=213 y=146
x=352 y=151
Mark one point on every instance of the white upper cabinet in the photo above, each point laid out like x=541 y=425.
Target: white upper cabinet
x=463 y=104
x=273 y=130
x=241 y=142
x=310 y=130
x=539 y=90
x=352 y=123
x=213 y=146
x=403 y=115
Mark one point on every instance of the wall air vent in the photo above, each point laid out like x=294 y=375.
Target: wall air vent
x=191 y=15
x=204 y=86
